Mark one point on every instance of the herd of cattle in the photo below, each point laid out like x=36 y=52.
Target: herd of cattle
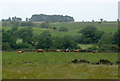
x=67 y=50
x=101 y=61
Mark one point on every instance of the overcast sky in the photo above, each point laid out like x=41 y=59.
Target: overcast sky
x=79 y=9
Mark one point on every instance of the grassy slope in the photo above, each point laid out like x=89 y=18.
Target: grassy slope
x=73 y=28
x=55 y=65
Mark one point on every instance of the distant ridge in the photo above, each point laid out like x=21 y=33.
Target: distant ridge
x=52 y=18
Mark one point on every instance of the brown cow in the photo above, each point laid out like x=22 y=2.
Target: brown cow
x=40 y=50
x=20 y=51
x=77 y=51
x=58 y=50
x=95 y=51
x=67 y=50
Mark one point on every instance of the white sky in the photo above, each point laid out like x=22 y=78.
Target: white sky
x=79 y=9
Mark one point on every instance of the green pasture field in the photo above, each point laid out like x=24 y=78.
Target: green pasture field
x=52 y=65
x=73 y=28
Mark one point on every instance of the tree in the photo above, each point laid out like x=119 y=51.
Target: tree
x=6 y=37
x=45 y=40
x=24 y=46
x=90 y=35
x=27 y=19
x=101 y=19
x=5 y=46
x=54 y=28
x=106 y=39
x=14 y=26
x=105 y=42
x=115 y=38
x=97 y=36
x=17 y=19
x=64 y=43
x=26 y=34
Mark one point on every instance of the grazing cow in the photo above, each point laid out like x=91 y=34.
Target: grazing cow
x=19 y=52
x=67 y=50
x=77 y=51
x=95 y=51
x=22 y=51
x=40 y=50
x=58 y=50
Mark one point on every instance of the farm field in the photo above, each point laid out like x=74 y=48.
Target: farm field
x=57 y=65
x=73 y=28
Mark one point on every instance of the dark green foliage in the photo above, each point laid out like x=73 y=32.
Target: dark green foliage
x=9 y=39
x=97 y=36
x=77 y=38
x=57 y=43
x=52 y=18
x=115 y=38
x=14 y=27
x=5 y=46
x=101 y=20
x=106 y=39
x=88 y=31
x=63 y=29
x=90 y=35
x=25 y=32
x=44 y=40
x=54 y=28
x=105 y=43
x=16 y=19
x=45 y=34
x=64 y=43
x=24 y=46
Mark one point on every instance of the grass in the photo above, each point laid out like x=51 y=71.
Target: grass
x=59 y=71
x=52 y=65
x=53 y=57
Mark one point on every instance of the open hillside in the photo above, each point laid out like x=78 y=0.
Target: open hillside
x=72 y=27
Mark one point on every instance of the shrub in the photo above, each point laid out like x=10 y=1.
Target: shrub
x=5 y=46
